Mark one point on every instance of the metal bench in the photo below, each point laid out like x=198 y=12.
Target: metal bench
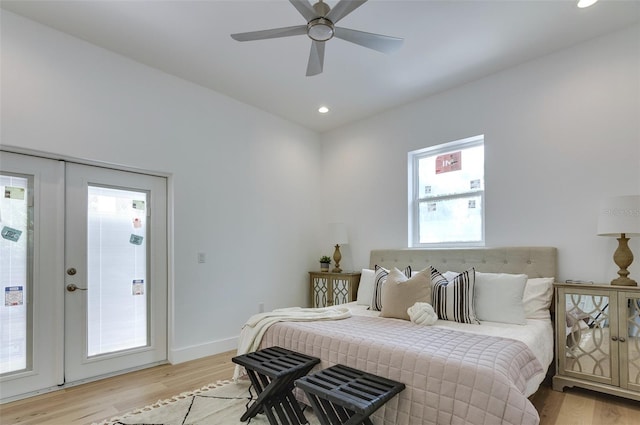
x=272 y=372
x=343 y=395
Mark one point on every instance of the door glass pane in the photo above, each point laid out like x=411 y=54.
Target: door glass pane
x=587 y=334
x=15 y=276
x=117 y=270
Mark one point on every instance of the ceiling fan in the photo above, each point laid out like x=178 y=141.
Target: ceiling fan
x=320 y=28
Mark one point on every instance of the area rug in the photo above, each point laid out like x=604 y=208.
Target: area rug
x=216 y=404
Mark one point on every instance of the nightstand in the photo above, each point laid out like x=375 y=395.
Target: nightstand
x=598 y=338
x=329 y=288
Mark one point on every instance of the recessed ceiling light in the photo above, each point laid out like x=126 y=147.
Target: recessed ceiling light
x=586 y=3
x=323 y=109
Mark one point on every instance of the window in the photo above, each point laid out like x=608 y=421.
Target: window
x=446 y=194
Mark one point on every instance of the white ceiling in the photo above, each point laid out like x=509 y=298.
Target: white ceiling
x=447 y=43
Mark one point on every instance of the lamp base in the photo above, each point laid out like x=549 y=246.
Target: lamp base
x=624 y=281
x=336 y=258
x=623 y=257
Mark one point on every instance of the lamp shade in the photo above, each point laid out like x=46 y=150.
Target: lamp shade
x=619 y=214
x=338 y=233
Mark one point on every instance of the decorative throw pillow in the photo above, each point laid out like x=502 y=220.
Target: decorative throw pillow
x=399 y=293
x=453 y=300
x=422 y=314
x=537 y=297
x=498 y=297
x=365 y=288
x=450 y=275
x=380 y=278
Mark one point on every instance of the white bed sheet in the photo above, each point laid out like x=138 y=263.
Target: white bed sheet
x=537 y=334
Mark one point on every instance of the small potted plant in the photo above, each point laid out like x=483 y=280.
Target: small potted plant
x=324 y=263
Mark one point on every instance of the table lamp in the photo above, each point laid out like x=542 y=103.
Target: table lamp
x=619 y=216
x=338 y=235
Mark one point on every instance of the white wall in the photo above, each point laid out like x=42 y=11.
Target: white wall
x=561 y=132
x=244 y=181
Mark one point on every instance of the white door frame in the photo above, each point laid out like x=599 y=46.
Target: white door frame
x=58 y=315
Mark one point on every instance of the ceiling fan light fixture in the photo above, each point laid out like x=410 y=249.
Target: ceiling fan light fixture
x=586 y=3
x=320 y=29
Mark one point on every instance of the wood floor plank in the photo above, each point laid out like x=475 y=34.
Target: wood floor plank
x=95 y=401
x=576 y=410
x=548 y=403
x=612 y=410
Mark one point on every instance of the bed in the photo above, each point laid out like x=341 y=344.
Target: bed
x=455 y=373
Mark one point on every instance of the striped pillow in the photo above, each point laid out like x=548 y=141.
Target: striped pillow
x=453 y=300
x=379 y=280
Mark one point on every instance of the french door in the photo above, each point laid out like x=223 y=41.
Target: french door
x=93 y=273
x=115 y=271
x=31 y=264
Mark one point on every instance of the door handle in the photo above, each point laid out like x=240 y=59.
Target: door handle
x=72 y=288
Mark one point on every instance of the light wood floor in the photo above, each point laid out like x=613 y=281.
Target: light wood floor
x=95 y=401
x=92 y=402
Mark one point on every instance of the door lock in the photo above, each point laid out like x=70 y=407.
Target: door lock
x=72 y=288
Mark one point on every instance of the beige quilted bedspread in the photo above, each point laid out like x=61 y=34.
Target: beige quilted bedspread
x=452 y=377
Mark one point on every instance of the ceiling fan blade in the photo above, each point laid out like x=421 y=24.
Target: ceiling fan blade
x=343 y=8
x=316 y=58
x=305 y=9
x=381 y=43
x=272 y=33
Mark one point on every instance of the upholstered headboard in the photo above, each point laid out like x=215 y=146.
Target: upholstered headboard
x=532 y=261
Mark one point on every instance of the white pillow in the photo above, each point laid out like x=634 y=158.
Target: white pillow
x=365 y=288
x=498 y=297
x=537 y=297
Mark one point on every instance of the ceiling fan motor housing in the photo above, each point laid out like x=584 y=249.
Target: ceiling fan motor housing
x=320 y=29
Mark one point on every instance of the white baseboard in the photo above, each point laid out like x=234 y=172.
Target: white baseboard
x=181 y=355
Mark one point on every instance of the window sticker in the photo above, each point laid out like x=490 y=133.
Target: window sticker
x=427 y=190
x=472 y=203
x=475 y=184
x=137 y=287
x=11 y=234
x=449 y=162
x=138 y=205
x=13 y=295
x=431 y=207
x=14 y=192
x=137 y=223
x=135 y=239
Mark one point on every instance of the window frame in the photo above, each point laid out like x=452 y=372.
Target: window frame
x=413 y=158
